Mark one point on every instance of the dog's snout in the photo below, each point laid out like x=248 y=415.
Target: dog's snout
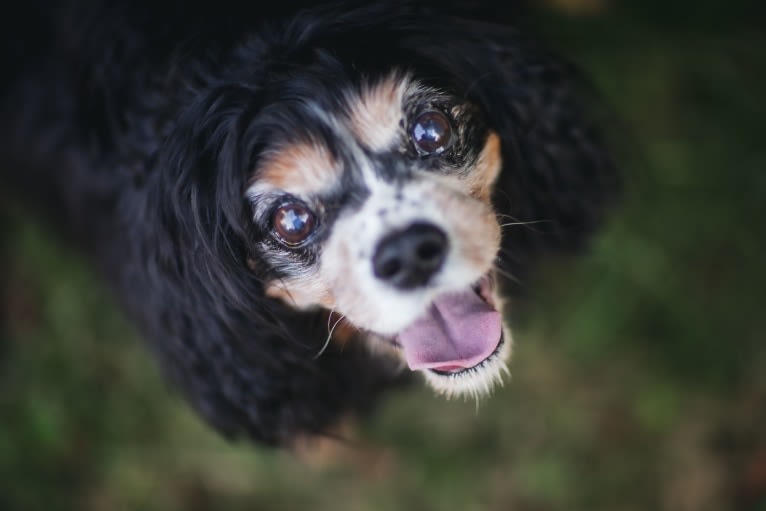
x=408 y=258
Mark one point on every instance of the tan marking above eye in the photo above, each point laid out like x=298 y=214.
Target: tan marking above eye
x=300 y=168
x=376 y=111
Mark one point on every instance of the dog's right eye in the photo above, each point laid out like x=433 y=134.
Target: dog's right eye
x=431 y=132
x=292 y=223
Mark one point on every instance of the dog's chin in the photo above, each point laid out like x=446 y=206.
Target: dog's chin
x=460 y=343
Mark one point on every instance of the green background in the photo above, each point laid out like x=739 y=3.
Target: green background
x=639 y=372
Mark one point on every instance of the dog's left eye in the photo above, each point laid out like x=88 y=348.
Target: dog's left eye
x=292 y=223
x=431 y=132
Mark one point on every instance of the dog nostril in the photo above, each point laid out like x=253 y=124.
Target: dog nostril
x=389 y=268
x=429 y=251
x=409 y=258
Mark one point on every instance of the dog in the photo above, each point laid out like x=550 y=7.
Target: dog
x=296 y=204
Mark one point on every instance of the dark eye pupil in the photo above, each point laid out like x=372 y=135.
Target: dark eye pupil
x=431 y=132
x=293 y=223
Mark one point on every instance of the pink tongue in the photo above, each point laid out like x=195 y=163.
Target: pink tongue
x=459 y=330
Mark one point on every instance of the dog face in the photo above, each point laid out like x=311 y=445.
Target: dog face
x=377 y=207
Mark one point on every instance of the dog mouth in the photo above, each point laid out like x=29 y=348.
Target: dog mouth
x=459 y=332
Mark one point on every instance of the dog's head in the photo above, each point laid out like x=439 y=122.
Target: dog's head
x=371 y=164
x=373 y=200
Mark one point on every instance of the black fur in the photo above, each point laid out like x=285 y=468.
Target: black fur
x=136 y=124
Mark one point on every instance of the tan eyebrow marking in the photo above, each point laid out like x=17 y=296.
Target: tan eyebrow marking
x=301 y=168
x=376 y=112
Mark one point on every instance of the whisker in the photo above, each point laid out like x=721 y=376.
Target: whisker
x=530 y=222
x=505 y=215
x=509 y=255
x=516 y=221
x=506 y=274
x=329 y=333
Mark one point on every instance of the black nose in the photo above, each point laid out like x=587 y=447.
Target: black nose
x=408 y=258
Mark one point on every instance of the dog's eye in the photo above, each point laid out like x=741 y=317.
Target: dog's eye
x=431 y=132
x=292 y=223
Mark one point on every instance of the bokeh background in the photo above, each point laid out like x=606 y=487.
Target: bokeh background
x=639 y=376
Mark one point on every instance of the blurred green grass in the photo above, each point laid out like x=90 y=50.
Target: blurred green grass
x=639 y=374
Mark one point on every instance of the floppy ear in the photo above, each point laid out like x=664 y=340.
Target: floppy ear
x=247 y=363
x=557 y=170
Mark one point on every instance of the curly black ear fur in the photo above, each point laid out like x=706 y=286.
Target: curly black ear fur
x=247 y=363
x=558 y=174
